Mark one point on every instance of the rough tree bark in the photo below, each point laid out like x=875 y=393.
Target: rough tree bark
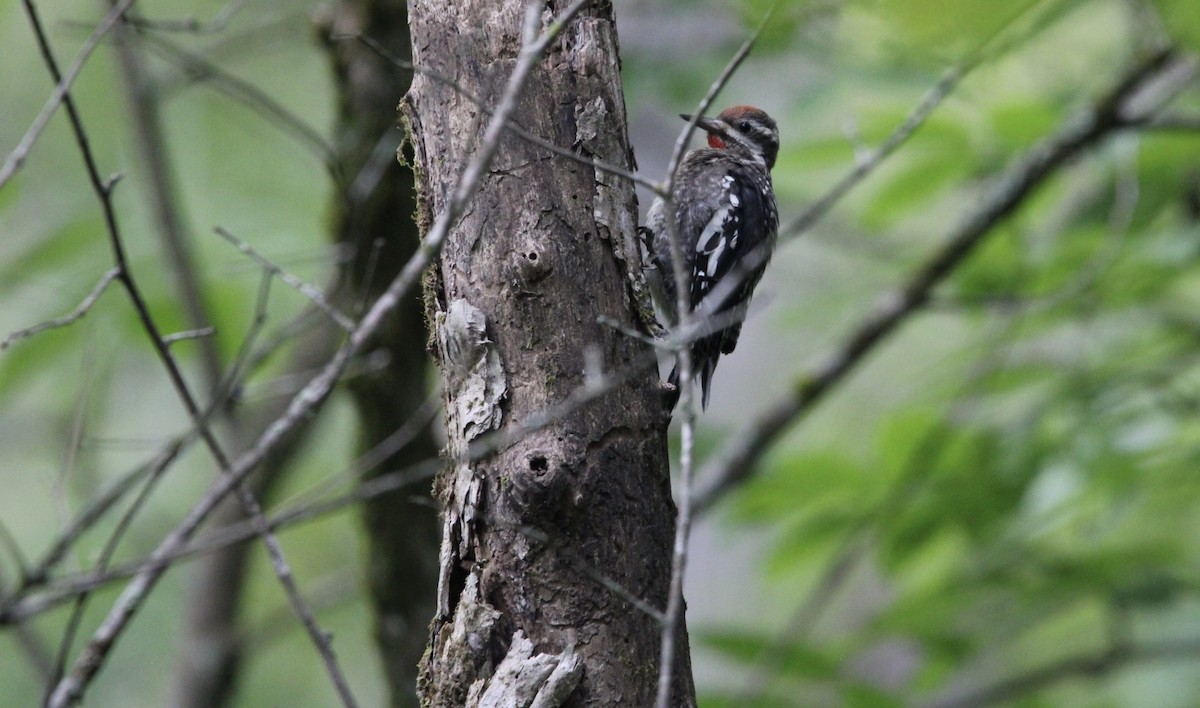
x=541 y=252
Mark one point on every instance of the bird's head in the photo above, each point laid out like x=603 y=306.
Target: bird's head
x=743 y=127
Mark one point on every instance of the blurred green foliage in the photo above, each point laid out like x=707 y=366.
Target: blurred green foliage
x=1030 y=512
x=82 y=405
x=1008 y=483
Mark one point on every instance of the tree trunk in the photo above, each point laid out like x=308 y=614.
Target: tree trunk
x=373 y=215
x=542 y=251
x=370 y=218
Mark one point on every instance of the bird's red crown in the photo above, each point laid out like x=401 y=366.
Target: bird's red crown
x=731 y=115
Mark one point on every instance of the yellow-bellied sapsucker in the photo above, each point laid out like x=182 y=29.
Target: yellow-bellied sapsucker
x=726 y=220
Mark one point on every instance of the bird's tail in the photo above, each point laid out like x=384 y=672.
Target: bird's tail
x=705 y=366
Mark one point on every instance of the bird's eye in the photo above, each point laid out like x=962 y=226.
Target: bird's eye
x=743 y=125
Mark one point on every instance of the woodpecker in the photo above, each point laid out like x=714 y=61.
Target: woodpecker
x=726 y=221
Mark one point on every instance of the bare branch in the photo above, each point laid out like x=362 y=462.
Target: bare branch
x=200 y=69
x=97 y=509
x=738 y=459
x=27 y=638
x=7 y=540
x=191 y=25
x=867 y=161
x=146 y=127
x=202 y=333
x=714 y=89
x=875 y=156
x=69 y=587
x=70 y=688
x=316 y=392
x=39 y=575
x=70 y=318
x=1095 y=664
x=684 y=363
x=308 y=290
x=17 y=608
x=102 y=562
x=1175 y=124
x=61 y=95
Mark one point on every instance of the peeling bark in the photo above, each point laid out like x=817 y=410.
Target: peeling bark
x=546 y=247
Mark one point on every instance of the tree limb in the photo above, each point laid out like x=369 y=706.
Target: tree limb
x=1116 y=110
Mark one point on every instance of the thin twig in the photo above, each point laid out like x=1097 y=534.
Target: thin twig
x=70 y=318
x=39 y=575
x=401 y=437
x=61 y=95
x=867 y=159
x=246 y=362
x=683 y=363
x=874 y=157
x=739 y=458
x=98 y=508
x=513 y=124
x=1175 y=124
x=187 y=334
x=70 y=688
x=191 y=25
x=31 y=643
x=19 y=608
x=146 y=126
x=202 y=70
x=68 y=587
x=866 y=162
x=7 y=540
x=1087 y=664
x=317 y=391
x=102 y=562
x=306 y=289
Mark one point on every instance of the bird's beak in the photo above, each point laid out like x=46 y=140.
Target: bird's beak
x=711 y=125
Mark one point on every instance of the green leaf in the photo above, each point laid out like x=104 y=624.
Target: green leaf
x=1181 y=19
x=912 y=184
x=995 y=269
x=795 y=659
x=948 y=28
x=802 y=481
x=717 y=699
x=832 y=151
x=1018 y=124
x=861 y=695
x=786 y=18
